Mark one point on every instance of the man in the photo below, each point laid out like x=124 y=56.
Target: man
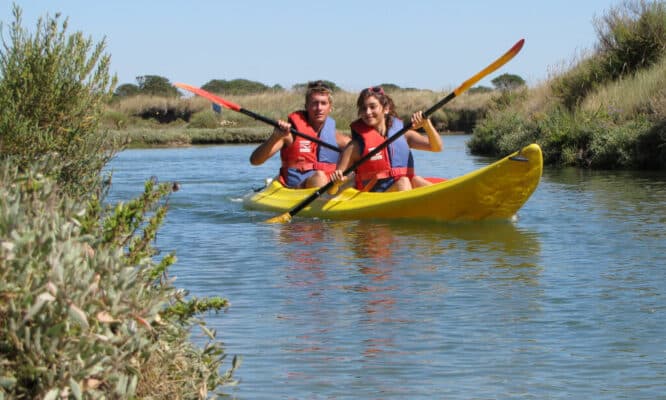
x=305 y=163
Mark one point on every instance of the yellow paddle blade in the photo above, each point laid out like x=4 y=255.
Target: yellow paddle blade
x=492 y=67
x=280 y=219
x=333 y=190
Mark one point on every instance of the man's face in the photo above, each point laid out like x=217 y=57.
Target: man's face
x=318 y=107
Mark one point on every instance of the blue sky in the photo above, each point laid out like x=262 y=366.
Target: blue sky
x=428 y=44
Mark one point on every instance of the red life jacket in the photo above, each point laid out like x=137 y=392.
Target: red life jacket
x=395 y=160
x=305 y=155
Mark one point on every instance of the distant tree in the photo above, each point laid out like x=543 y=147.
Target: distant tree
x=506 y=82
x=156 y=86
x=390 y=86
x=480 y=89
x=127 y=90
x=302 y=86
x=235 y=86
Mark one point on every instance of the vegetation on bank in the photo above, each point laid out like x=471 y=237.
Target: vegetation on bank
x=87 y=308
x=607 y=111
x=191 y=120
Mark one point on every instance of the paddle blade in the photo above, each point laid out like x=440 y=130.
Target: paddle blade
x=280 y=219
x=333 y=190
x=207 y=95
x=492 y=67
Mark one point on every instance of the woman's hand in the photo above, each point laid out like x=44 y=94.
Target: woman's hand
x=417 y=120
x=338 y=176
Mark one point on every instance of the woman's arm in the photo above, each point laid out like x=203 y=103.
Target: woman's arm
x=350 y=154
x=431 y=142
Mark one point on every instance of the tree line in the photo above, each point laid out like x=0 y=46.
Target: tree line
x=155 y=85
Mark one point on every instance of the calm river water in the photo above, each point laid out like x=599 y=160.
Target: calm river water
x=566 y=302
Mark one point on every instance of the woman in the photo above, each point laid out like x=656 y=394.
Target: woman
x=391 y=169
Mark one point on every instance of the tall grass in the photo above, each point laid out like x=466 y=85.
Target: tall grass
x=607 y=111
x=128 y=115
x=631 y=37
x=640 y=93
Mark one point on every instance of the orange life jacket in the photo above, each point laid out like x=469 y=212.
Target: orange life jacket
x=395 y=160
x=306 y=155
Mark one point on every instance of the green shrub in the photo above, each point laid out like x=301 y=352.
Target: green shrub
x=84 y=309
x=500 y=133
x=613 y=148
x=114 y=120
x=631 y=37
x=204 y=119
x=53 y=88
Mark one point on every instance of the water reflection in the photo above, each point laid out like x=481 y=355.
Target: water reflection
x=548 y=307
x=349 y=286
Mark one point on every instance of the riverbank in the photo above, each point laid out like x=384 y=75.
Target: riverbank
x=179 y=136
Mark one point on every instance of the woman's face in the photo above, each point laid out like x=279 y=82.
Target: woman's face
x=372 y=113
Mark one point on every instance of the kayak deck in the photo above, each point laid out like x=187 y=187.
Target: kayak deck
x=496 y=191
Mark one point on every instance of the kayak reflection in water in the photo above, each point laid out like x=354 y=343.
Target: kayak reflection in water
x=391 y=169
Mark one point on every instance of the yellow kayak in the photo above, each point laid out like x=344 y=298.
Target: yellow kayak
x=494 y=192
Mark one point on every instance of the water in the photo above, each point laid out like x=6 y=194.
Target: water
x=565 y=302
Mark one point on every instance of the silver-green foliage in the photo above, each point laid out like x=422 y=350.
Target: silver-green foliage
x=85 y=310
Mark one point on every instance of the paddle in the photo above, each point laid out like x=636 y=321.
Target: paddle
x=286 y=217
x=233 y=106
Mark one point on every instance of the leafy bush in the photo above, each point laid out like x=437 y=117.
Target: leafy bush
x=492 y=134
x=114 y=119
x=85 y=311
x=632 y=37
x=53 y=88
x=204 y=119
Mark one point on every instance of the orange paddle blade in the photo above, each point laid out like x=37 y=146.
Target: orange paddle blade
x=207 y=95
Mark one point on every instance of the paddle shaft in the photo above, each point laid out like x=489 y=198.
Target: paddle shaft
x=464 y=86
x=292 y=130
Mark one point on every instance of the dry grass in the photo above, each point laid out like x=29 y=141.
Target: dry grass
x=137 y=105
x=643 y=92
x=277 y=105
